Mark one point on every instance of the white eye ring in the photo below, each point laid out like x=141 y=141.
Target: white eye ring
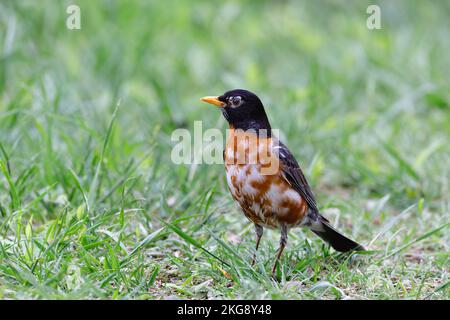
x=236 y=101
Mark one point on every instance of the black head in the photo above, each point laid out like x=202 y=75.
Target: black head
x=242 y=109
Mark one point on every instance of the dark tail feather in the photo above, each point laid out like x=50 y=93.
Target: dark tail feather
x=337 y=240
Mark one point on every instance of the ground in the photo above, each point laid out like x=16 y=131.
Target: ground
x=91 y=205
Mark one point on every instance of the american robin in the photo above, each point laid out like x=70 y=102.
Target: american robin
x=264 y=177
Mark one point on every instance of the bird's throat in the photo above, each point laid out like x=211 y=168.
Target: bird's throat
x=247 y=122
x=260 y=127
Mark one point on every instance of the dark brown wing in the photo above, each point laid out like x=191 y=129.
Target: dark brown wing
x=294 y=176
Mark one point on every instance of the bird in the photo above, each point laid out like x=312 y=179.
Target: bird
x=264 y=177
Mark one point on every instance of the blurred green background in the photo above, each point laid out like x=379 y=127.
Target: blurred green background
x=366 y=113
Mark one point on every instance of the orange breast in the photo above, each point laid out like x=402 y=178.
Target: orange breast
x=255 y=182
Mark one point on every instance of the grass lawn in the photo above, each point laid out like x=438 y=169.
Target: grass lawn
x=92 y=207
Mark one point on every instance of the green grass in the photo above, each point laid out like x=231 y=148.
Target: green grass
x=92 y=207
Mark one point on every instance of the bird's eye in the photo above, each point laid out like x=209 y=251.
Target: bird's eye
x=236 y=101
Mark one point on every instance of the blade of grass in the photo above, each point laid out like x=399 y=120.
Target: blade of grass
x=80 y=188
x=94 y=183
x=422 y=237
x=15 y=201
x=402 y=162
x=441 y=287
x=391 y=223
x=191 y=240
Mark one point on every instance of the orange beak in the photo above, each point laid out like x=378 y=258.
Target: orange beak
x=213 y=100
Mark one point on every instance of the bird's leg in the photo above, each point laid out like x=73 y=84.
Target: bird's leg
x=259 y=232
x=283 y=240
